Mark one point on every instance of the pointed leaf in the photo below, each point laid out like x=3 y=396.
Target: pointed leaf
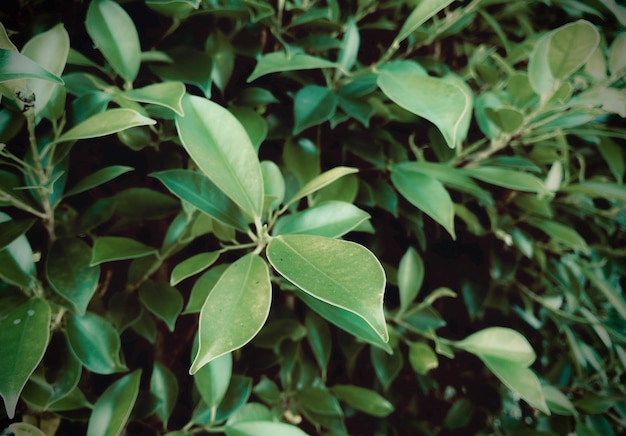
x=332 y=219
x=114 y=33
x=319 y=339
x=106 y=123
x=95 y=342
x=610 y=292
x=365 y=400
x=14 y=65
x=319 y=400
x=203 y=286
x=199 y=190
x=274 y=185
x=23 y=342
x=562 y=234
x=337 y=272
x=193 y=265
x=12 y=229
x=221 y=148
x=571 y=46
x=98 y=178
x=240 y=299
x=426 y=193
x=410 y=277
x=212 y=379
x=507 y=178
x=617 y=56
x=164 y=385
x=313 y=105
x=425 y=10
x=187 y=65
x=280 y=61
x=164 y=301
x=167 y=94
x=349 y=45
x=422 y=358
x=611 y=191
x=499 y=342
x=70 y=274
x=255 y=428
x=112 y=410
x=446 y=102
x=324 y=179
x=110 y=248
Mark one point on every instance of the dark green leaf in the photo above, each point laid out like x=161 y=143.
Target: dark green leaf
x=164 y=301
x=12 y=229
x=281 y=61
x=313 y=105
x=110 y=248
x=164 y=385
x=213 y=379
x=365 y=400
x=98 y=178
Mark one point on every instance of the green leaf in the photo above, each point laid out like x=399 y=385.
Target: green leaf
x=332 y=219
x=280 y=61
x=313 y=105
x=255 y=428
x=410 y=277
x=324 y=179
x=506 y=178
x=199 y=190
x=12 y=229
x=425 y=10
x=274 y=185
x=426 y=193
x=422 y=358
x=203 y=286
x=213 y=379
x=255 y=125
x=241 y=298
x=16 y=260
x=611 y=293
x=446 y=102
x=557 y=401
x=98 y=178
x=387 y=366
x=318 y=400
x=187 y=65
x=106 y=123
x=508 y=119
x=221 y=148
x=319 y=338
x=611 y=191
x=164 y=385
x=95 y=342
x=25 y=335
x=349 y=45
x=112 y=410
x=561 y=233
x=114 y=33
x=571 y=46
x=140 y=203
x=193 y=265
x=164 y=301
x=166 y=94
x=14 y=65
x=365 y=400
x=69 y=273
x=539 y=75
x=337 y=272
x=617 y=59
x=499 y=342
x=110 y=248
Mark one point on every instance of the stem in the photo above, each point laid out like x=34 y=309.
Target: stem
x=5 y=196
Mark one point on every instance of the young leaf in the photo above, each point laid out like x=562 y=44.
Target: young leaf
x=501 y=343
x=280 y=61
x=349 y=45
x=166 y=94
x=507 y=178
x=164 y=301
x=422 y=358
x=114 y=33
x=106 y=123
x=110 y=248
x=70 y=274
x=324 y=179
x=446 y=102
x=212 y=379
x=193 y=265
x=255 y=428
x=14 y=65
x=365 y=400
x=313 y=105
x=426 y=193
x=337 y=272
x=199 y=190
x=13 y=229
x=571 y=46
x=240 y=299
x=319 y=400
x=221 y=148
x=112 y=410
x=425 y=10
x=24 y=338
x=98 y=178
x=410 y=277
x=95 y=342
x=16 y=260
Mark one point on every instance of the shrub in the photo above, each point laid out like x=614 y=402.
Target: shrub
x=293 y=217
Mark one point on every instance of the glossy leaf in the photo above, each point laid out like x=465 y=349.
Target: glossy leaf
x=365 y=400
x=106 y=123
x=386 y=365
x=422 y=358
x=506 y=178
x=319 y=400
x=192 y=265
x=425 y=10
x=164 y=301
x=70 y=274
x=557 y=401
x=95 y=342
x=255 y=125
x=410 y=277
x=446 y=102
x=98 y=178
x=332 y=219
x=164 y=385
x=426 y=193
x=14 y=65
x=349 y=46
x=337 y=272
x=255 y=428
x=111 y=248
x=319 y=339
x=280 y=61
x=322 y=180
x=16 y=260
x=12 y=229
x=213 y=379
x=501 y=343
x=202 y=193
x=203 y=286
x=25 y=335
x=571 y=46
x=313 y=105
x=114 y=33
x=112 y=410
x=221 y=148
x=166 y=94
x=274 y=185
x=241 y=298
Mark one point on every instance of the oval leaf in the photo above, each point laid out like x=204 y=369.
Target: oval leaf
x=280 y=61
x=164 y=385
x=313 y=105
x=14 y=65
x=221 y=148
x=410 y=277
x=193 y=265
x=562 y=234
x=324 y=179
x=507 y=178
x=167 y=94
x=365 y=400
x=425 y=10
x=212 y=379
x=25 y=335
x=164 y=301
x=12 y=229
x=331 y=219
x=110 y=248
x=240 y=299
x=426 y=193
x=422 y=358
x=114 y=33
x=112 y=410
x=337 y=272
x=70 y=274
x=105 y=123
x=98 y=178
x=571 y=46
x=499 y=342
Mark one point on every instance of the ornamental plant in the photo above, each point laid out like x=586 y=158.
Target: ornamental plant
x=304 y=217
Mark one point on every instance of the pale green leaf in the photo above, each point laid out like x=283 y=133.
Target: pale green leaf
x=324 y=179
x=571 y=46
x=106 y=123
x=166 y=94
x=562 y=234
x=557 y=401
x=23 y=429
x=164 y=301
x=332 y=219
x=410 y=277
x=221 y=148
x=501 y=343
x=114 y=34
x=349 y=45
x=508 y=119
x=337 y=272
x=70 y=274
x=422 y=358
x=256 y=428
x=539 y=74
x=274 y=185
x=617 y=55
x=193 y=265
x=508 y=178
x=313 y=105
x=365 y=400
x=425 y=10
x=212 y=379
x=611 y=191
x=25 y=335
x=426 y=193
x=187 y=65
x=16 y=260
x=110 y=248
x=280 y=61
x=15 y=66
x=241 y=299
x=97 y=178
x=112 y=410
x=164 y=385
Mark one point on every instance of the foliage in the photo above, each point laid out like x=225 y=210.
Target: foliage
x=304 y=217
